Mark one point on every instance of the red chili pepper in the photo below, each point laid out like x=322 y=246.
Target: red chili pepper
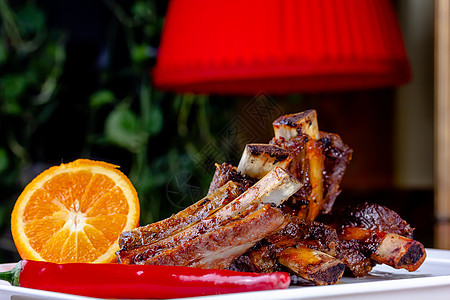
x=138 y=281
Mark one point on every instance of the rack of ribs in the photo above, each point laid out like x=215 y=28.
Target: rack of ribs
x=274 y=212
x=220 y=233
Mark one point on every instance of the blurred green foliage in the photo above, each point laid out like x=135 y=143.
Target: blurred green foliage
x=157 y=138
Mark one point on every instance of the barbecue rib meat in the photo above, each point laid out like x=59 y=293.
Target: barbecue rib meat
x=299 y=133
x=311 y=234
x=218 y=248
x=242 y=213
x=198 y=211
x=274 y=212
x=374 y=217
x=309 y=249
x=371 y=234
x=337 y=157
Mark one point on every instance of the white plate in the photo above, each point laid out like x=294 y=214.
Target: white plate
x=430 y=281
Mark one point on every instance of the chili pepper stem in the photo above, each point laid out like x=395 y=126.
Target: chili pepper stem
x=12 y=276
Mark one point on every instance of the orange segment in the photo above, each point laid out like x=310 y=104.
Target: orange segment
x=74 y=212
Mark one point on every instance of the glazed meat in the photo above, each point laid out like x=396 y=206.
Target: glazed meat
x=337 y=157
x=371 y=234
x=319 y=161
x=156 y=231
x=374 y=217
x=254 y=206
x=308 y=249
x=329 y=156
x=311 y=234
x=274 y=212
x=218 y=248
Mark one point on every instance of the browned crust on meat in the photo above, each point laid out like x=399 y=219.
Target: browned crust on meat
x=337 y=158
x=278 y=153
x=227 y=172
x=240 y=235
x=156 y=231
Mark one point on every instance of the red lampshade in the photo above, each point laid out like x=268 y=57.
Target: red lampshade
x=280 y=46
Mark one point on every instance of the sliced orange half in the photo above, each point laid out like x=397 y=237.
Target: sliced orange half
x=74 y=212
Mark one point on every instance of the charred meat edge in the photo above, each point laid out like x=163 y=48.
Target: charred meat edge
x=291 y=125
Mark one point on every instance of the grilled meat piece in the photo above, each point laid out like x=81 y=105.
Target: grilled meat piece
x=218 y=248
x=320 y=166
x=308 y=249
x=300 y=168
x=277 y=186
x=373 y=216
x=371 y=234
x=273 y=189
x=311 y=234
x=400 y=252
x=309 y=264
x=262 y=258
x=313 y=265
x=317 y=159
x=337 y=157
x=156 y=231
x=362 y=249
x=352 y=255
x=308 y=160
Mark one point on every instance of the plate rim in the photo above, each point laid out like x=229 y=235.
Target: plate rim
x=308 y=292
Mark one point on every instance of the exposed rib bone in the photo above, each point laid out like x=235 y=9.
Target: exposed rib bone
x=258 y=159
x=197 y=211
x=391 y=249
x=289 y=126
x=400 y=252
x=312 y=265
x=274 y=188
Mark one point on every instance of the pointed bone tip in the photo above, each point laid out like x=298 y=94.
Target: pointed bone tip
x=292 y=120
x=289 y=126
x=259 y=159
